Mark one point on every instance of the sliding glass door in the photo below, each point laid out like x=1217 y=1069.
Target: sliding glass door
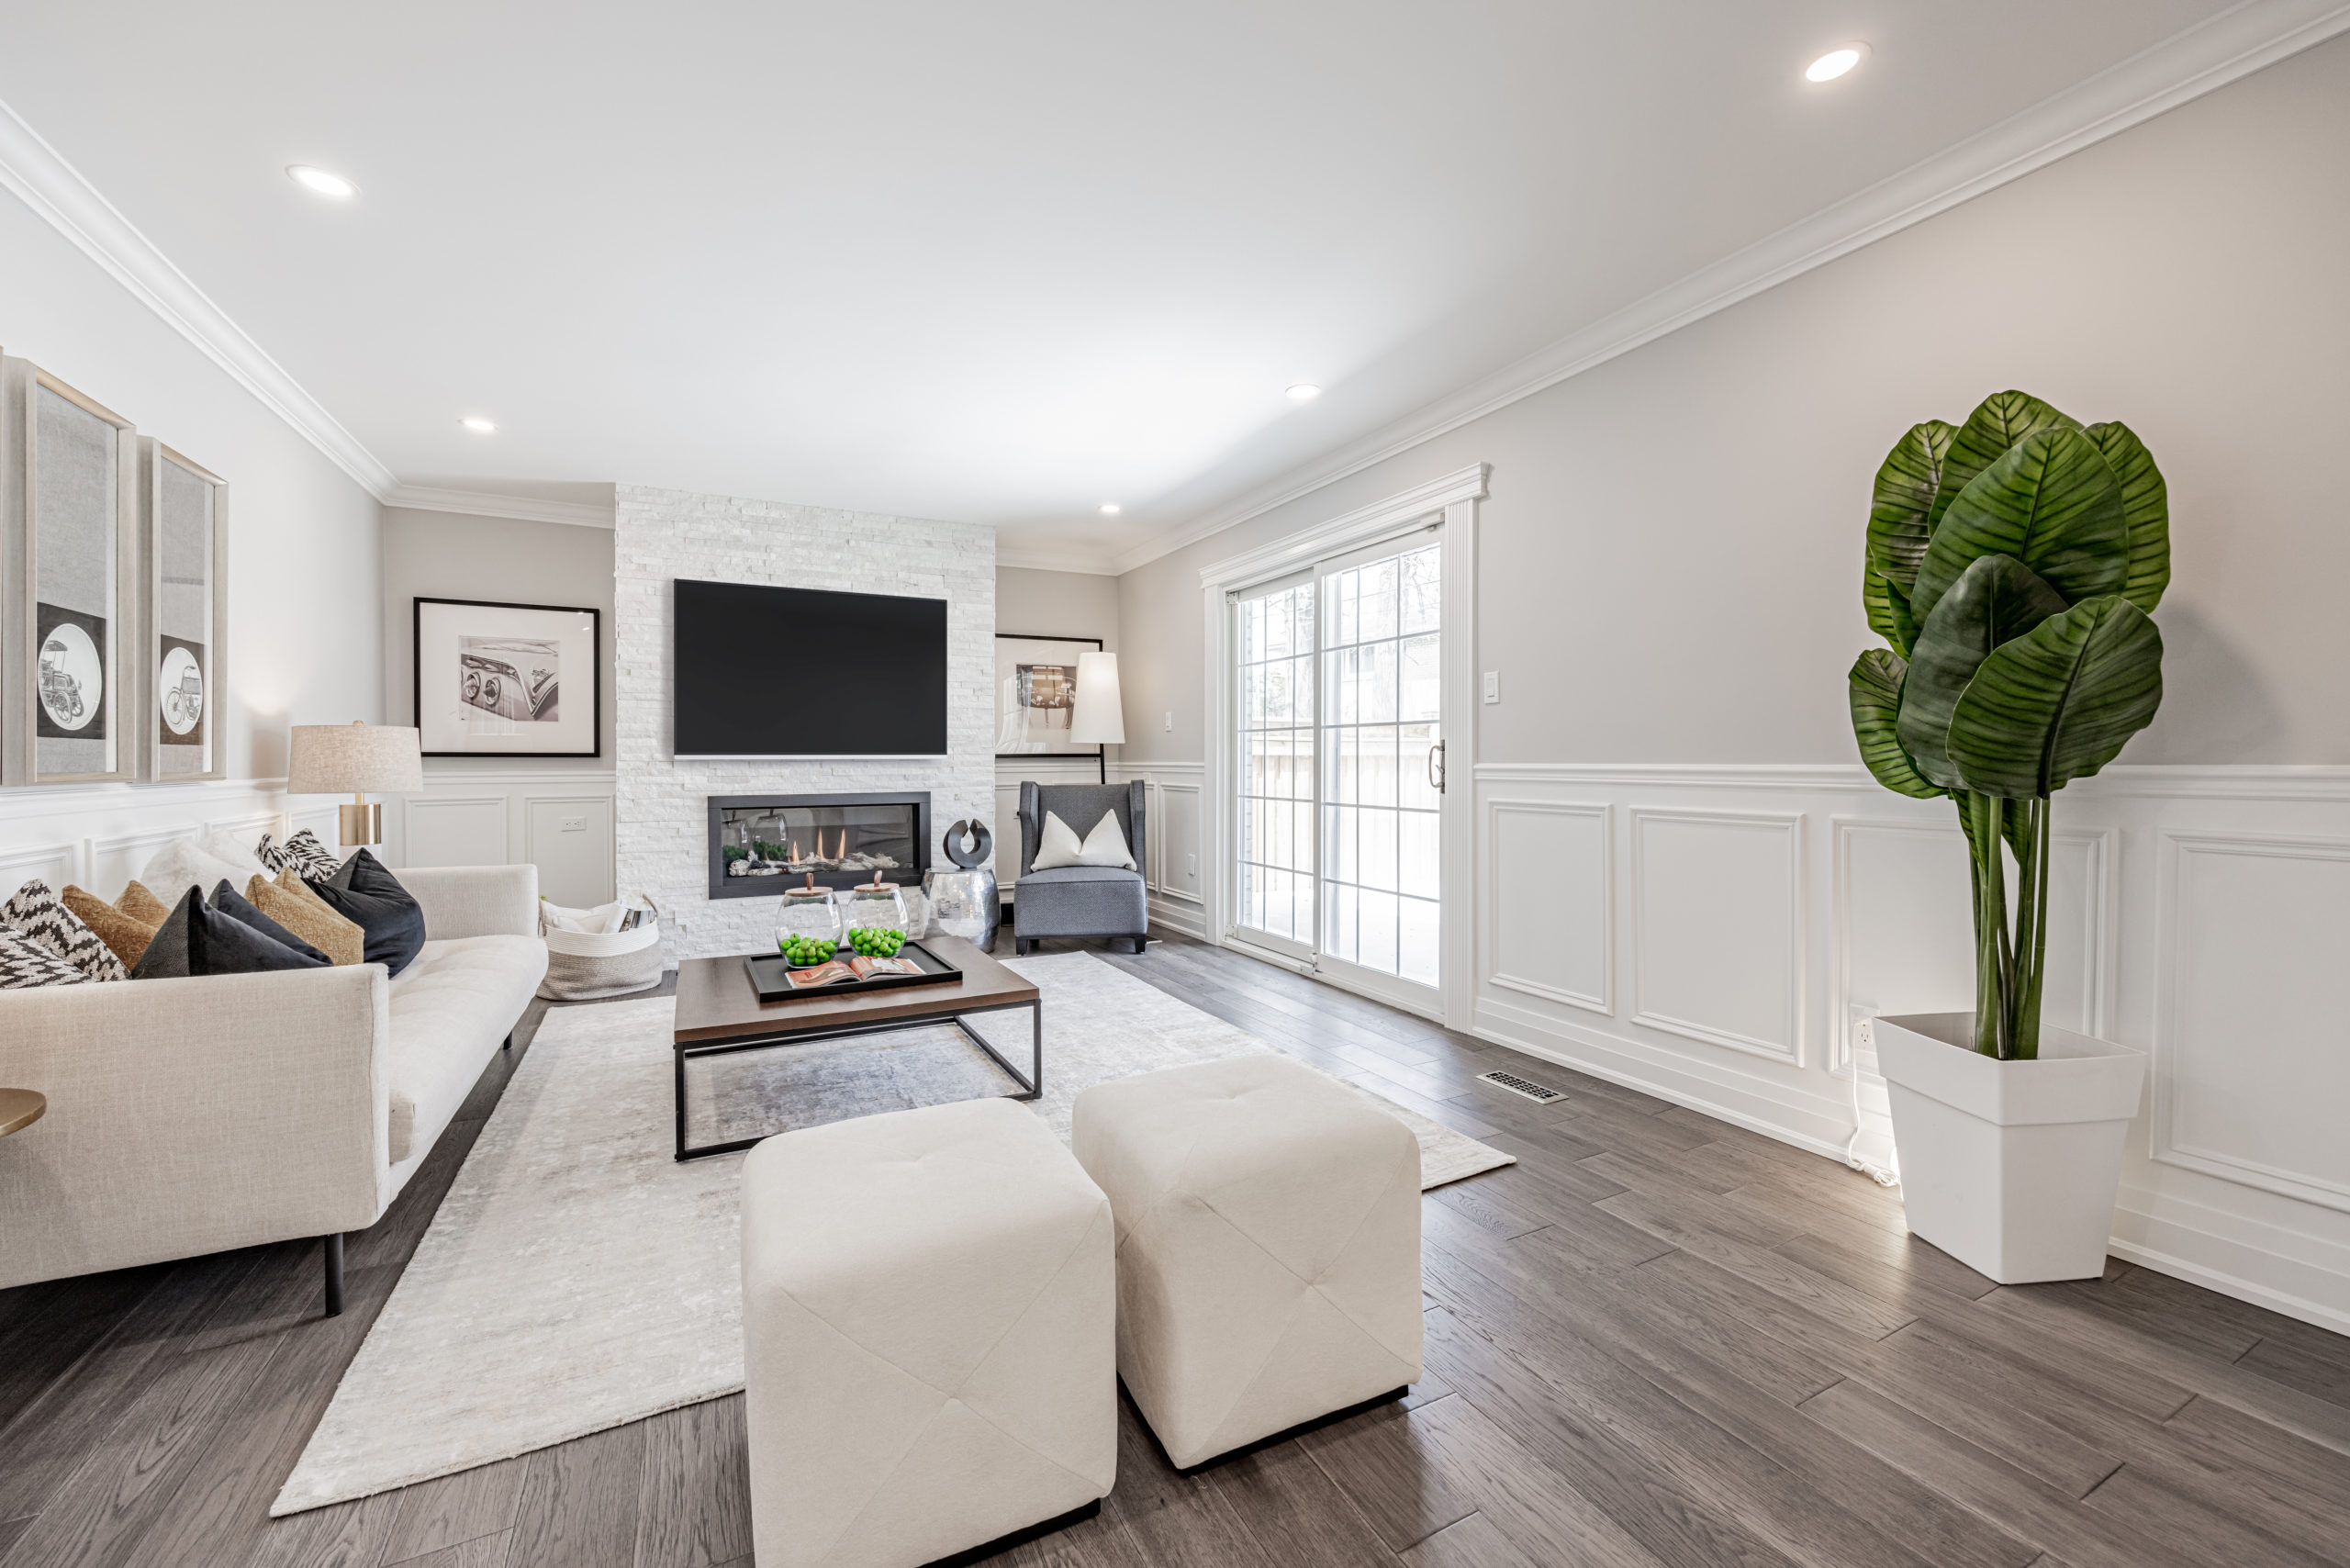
x=1339 y=692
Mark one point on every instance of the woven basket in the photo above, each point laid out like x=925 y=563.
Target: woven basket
x=585 y=964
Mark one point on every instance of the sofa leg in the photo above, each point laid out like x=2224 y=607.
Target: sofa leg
x=334 y=1274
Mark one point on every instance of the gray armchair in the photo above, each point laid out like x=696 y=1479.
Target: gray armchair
x=1080 y=901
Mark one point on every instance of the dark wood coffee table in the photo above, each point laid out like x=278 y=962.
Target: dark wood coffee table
x=719 y=1012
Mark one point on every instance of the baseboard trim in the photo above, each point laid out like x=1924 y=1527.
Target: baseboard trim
x=2310 y=1312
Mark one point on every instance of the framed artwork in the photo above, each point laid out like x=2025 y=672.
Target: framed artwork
x=185 y=545
x=73 y=522
x=1036 y=695
x=508 y=679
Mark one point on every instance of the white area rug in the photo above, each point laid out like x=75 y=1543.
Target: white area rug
x=576 y=1277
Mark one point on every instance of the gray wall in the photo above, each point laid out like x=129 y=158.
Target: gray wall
x=1670 y=559
x=303 y=641
x=1056 y=604
x=441 y=554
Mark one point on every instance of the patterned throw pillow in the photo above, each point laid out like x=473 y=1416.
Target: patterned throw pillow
x=25 y=963
x=37 y=911
x=311 y=860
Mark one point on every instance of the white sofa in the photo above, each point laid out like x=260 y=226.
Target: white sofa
x=188 y=1117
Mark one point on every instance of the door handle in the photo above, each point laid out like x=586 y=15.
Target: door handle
x=1436 y=768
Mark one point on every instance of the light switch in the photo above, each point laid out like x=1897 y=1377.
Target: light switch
x=1192 y=865
x=1493 y=686
x=1171 y=720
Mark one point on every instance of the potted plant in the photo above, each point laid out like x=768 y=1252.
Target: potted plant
x=2011 y=564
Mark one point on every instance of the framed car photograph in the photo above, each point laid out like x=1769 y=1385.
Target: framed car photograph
x=184 y=542
x=72 y=517
x=507 y=679
x=1036 y=695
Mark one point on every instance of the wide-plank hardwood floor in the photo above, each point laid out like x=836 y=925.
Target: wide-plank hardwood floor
x=1655 y=1340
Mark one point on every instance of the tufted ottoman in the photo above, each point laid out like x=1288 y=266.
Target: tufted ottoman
x=927 y=1335
x=1269 y=1247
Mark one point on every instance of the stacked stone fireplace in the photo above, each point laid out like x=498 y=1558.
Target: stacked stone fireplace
x=663 y=803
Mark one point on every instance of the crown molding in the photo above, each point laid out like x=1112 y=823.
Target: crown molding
x=1047 y=561
x=2206 y=57
x=486 y=503
x=1364 y=525
x=41 y=178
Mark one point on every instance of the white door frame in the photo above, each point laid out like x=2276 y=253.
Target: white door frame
x=1454 y=498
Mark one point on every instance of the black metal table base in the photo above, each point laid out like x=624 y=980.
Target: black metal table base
x=1032 y=1082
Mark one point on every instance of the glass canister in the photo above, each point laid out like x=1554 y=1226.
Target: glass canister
x=964 y=903
x=874 y=906
x=812 y=916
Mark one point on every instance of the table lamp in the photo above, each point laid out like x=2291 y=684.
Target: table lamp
x=329 y=759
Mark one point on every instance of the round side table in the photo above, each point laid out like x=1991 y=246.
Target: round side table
x=20 y=1108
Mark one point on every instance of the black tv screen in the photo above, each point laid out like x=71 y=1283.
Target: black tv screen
x=800 y=672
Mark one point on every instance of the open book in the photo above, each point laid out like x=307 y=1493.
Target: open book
x=857 y=968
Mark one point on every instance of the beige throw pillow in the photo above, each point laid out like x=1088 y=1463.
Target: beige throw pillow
x=143 y=906
x=289 y=902
x=126 y=936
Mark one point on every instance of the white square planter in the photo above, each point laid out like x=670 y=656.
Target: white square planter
x=2011 y=1166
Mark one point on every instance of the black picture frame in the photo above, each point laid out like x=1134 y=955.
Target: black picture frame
x=1100 y=753
x=595 y=671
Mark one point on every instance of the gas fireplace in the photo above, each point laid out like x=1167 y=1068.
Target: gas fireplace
x=761 y=843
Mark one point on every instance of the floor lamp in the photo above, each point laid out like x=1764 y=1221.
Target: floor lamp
x=1099 y=717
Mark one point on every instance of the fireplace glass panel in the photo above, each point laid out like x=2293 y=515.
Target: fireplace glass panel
x=792 y=841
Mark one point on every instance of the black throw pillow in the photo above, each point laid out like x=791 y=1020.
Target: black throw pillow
x=195 y=940
x=228 y=902
x=372 y=899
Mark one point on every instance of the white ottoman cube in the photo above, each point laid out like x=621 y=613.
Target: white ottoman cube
x=1269 y=1247
x=928 y=1336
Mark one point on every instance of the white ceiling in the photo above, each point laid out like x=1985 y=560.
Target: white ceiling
x=996 y=263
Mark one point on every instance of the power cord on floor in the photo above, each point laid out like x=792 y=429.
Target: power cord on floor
x=1882 y=1176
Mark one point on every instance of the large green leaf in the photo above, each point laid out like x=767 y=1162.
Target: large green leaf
x=1996 y=424
x=2060 y=701
x=2053 y=503
x=1888 y=609
x=1906 y=487
x=1875 y=683
x=2145 y=511
x=1998 y=600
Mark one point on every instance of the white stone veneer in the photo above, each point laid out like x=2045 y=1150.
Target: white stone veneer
x=661 y=811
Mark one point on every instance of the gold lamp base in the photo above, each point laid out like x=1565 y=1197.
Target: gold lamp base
x=363 y=822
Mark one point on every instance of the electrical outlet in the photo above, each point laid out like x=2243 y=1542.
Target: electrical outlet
x=1493 y=686
x=1864 y=1033
x=1190 y=865
x=575 y=824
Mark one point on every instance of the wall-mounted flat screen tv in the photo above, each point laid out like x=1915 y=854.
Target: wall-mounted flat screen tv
x=800 y=672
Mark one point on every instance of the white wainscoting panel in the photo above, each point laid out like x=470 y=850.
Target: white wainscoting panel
x=1175 y=873
x=2199 y=914
x=497 y=817
x=1550 y=901
x=1718 y=928
x=457 y=830
x=569 y=839
x=2251 y=1043
x=102 y=835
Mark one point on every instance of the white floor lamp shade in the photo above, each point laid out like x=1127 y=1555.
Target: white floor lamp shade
x=1101 y=716
x=355 y=758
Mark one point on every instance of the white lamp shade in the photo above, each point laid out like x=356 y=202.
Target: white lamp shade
x=350 y=759
x=1099 y=717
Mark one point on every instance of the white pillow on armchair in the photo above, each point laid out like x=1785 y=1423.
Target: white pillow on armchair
x=1056 y=846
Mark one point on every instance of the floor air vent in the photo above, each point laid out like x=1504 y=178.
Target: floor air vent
x=1517 y=1085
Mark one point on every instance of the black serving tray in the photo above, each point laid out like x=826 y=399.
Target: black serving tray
x=770 y=976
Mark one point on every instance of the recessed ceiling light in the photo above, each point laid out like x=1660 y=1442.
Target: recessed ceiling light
x=478 y=425
x=319 y=180
x=1109 y=509
x=1836 y=63
x=1305 y=392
